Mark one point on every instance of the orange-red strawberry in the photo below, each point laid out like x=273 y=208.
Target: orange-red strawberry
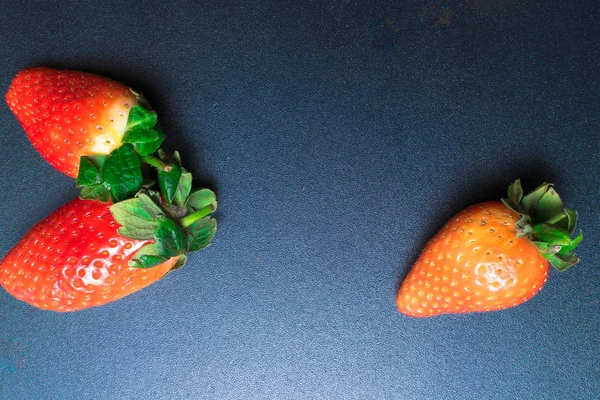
x=76 y=258
x=491 y=256
x=69 y=114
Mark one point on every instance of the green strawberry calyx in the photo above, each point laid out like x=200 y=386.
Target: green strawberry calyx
x=151 y=194
x=546 y=222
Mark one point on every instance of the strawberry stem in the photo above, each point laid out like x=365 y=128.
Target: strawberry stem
x=195 y=216
x=156 y=163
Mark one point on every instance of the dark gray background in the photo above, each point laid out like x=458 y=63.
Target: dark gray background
x=339 y=137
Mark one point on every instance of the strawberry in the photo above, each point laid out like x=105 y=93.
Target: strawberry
x=492 y=255
x=77 y=257
x=69 y=114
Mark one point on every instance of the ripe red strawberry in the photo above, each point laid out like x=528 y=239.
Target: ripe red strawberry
x=491 y=256
x=69 y=114
x=89 y=253
x=76 y=257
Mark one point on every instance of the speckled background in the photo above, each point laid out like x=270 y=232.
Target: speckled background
x=339 y=136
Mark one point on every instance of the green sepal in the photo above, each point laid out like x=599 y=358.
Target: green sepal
x=141 y=100
x=201 y=198
x=561 y=261
x=551 y=235
x=177 y=158
x=529 y=201
x=145 y=149
x=148 y=184
x=515 y=193
x=512 y=205
x=147 y=257
x=122 y=173
x=140 y=135
x=569 y=248
x=571 y=220
x=89 y=171
x=170 y=238
x=546 y=222
x=95 y=192
x=544 y=247
x=180 y=263
x=142 y=131
x=137 y=217
x=549 y=207
x=200 y=233
x=524 y=227
x=168 y=182
x=184 y=186
x=89 y=178
x=143 y=211
x=139 y=117
x=154 y=195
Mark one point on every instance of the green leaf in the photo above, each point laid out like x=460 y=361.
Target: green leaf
x=200 y=233
x=170 y=238
x=122 y=173
x=168 y=182
x=515 y=192
x=183 y=188
x=549 y=206
x=530 y=200
x=551 y=235
x=200 y=199
x=147 y=257
x=137 y=217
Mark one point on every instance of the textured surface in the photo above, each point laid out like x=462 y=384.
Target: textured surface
x=474 y=263
x=340 y=136
x=75 y=259
x=69 y=114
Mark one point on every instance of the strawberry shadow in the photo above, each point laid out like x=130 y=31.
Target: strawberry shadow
x=482 y=188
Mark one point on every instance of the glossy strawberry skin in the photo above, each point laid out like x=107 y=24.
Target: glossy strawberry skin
x=75 y=259
x=475 y=263
x=69 y=114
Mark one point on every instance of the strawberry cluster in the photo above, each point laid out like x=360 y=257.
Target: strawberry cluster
x=137 y=215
